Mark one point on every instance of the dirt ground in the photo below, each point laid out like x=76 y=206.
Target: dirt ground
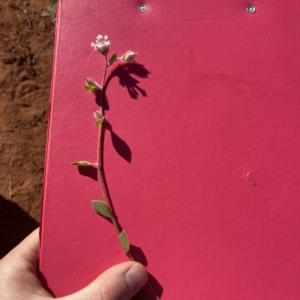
x=26 y=48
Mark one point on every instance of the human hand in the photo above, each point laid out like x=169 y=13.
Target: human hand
x=18 y=277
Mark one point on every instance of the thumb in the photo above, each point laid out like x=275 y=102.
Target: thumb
x=120 y=282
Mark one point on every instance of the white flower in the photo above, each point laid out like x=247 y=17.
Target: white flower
x=102 y=44
x=129 y=56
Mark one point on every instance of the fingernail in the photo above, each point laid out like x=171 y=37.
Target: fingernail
x=136 y=277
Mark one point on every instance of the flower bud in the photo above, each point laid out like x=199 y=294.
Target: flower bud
x=102 y=44
x=98 y=114
x=91 y=85
x=129 y=56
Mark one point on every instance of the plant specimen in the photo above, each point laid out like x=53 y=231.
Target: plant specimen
x=104 y=207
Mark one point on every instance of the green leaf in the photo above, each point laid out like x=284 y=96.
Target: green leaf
x=99 y=122
x=90 y=88
x=124 y=241
x=101 y=208
x=82 y=163
x=113 y=59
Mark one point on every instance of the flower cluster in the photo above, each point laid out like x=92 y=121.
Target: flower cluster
x=102 y=44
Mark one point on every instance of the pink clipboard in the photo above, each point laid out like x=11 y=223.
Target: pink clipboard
x=202 y=158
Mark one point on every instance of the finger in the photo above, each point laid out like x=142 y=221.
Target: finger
x=26 y=253
x=120 y=282
x=18 y=270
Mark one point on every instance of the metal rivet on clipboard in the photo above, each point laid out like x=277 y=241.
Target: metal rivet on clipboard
x=142 y=7
x=251 y=9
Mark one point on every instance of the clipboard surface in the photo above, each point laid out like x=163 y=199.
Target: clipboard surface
x=202 y=159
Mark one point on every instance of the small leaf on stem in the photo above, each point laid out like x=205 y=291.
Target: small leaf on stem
x=124 y=241
x=101 y=208
x=99 y=122
x=90 y=88
x=112 y=59
x=82 y=163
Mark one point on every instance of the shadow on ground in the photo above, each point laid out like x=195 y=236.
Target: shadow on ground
x=15 y=225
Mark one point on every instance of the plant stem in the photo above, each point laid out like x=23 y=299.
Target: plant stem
x=153 y=290
x=101 y=177
x=99 y=152
x=103 y=84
